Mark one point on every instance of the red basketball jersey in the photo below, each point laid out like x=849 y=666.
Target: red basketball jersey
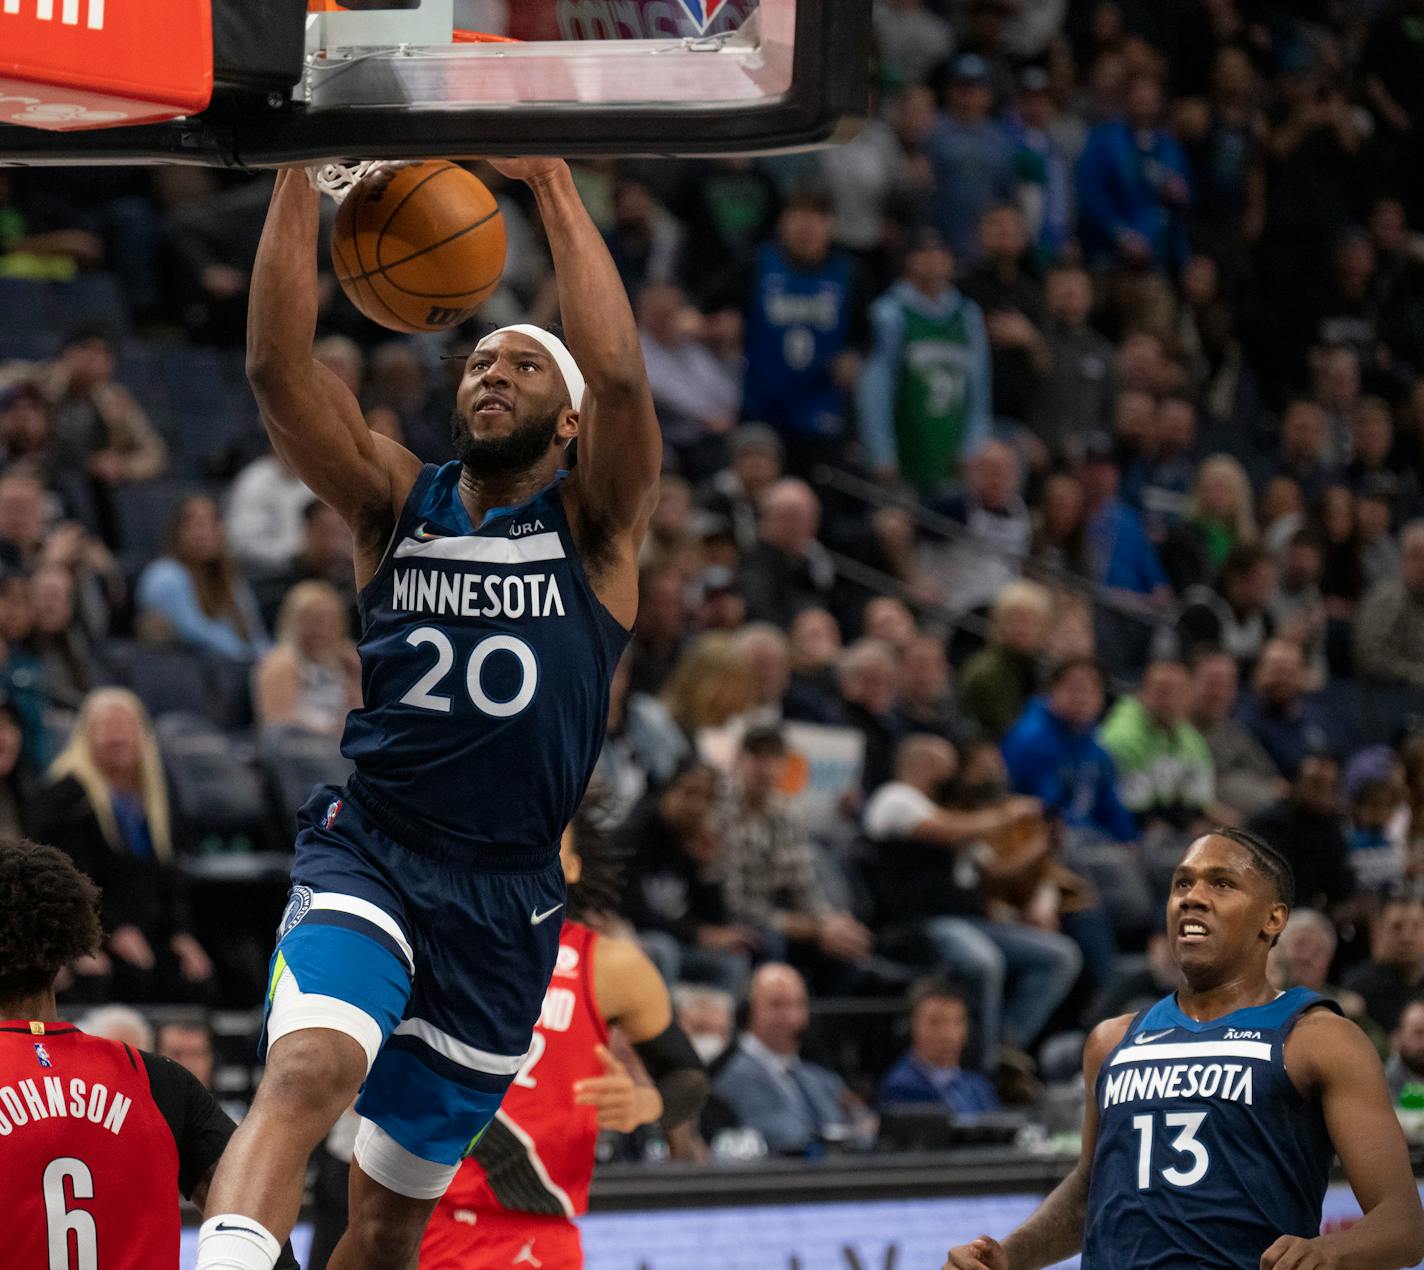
x=538 y=1154
x=88 y=1165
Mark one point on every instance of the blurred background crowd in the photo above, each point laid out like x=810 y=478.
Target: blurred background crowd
x=1045 y=482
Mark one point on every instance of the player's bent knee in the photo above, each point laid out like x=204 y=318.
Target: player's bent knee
x=313 y=1073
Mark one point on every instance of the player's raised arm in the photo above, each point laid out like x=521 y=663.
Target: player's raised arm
x=1055 y=1231
x=1341 y=1063
x=619 y=444
x=314 y=422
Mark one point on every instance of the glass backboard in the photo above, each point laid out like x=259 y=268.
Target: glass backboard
x=452 y=78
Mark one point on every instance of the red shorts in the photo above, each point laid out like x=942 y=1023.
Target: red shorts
x=492 y=1239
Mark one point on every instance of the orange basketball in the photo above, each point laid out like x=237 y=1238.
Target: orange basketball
x=423 y=253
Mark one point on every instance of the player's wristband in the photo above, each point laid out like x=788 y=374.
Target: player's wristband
x=677 y=1072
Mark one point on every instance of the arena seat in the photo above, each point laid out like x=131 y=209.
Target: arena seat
x=215 y=778
x=142 y=511
x=167 y=679
x=296 y=762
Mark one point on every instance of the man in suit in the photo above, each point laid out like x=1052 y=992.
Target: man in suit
x=765 y=1084
x=929 y=1071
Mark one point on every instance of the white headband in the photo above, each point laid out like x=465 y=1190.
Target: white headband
x=563 y=359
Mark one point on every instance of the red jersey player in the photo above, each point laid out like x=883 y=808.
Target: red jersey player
x=96 y=1138
x=513 y=1201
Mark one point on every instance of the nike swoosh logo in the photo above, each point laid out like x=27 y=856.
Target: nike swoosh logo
x=246 y=1230
x=536 y=916
x=1146 y=1038
x=424 y=534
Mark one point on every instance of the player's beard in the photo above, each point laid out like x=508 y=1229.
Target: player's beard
x=517 y=451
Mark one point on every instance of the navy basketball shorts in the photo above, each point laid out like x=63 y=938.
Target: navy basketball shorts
x=435 y=965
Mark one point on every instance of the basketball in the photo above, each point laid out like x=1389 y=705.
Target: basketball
x=423 y=253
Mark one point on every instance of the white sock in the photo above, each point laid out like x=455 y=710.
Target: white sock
x=230 y=1241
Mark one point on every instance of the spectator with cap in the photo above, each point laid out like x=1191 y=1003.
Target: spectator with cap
x=931 y=1070
x=1134 y=187
x=1120 y=554
x=1044 y=170
x=1307 y=828
x=788 y=569
x=696 y=397
x=925 y=395
x=971 y=158
x=1389 y=628
x=1280 y=713
x=1075 y=394
x=770 y=876
x=802 y=316
x=998 y=681
x=1247 y=778
x=797 y=1106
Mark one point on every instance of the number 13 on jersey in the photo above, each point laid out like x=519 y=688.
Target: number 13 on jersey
x=1188 y=1124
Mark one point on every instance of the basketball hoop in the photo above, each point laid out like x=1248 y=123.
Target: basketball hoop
x=337 y=180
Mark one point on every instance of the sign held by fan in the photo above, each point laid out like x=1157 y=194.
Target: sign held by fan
x=70 y=65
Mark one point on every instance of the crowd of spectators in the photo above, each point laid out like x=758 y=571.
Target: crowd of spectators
x=1045 y=473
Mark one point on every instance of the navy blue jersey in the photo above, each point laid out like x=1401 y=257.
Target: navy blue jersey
x=1207 y=1154
x=485 y=664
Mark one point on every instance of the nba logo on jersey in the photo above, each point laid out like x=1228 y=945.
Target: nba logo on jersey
x=702 y=11
x=331 y=813
x=42 y=1055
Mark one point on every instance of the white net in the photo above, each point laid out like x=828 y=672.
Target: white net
x=337 y=180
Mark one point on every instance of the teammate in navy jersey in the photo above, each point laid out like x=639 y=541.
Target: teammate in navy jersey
x=497 y=593
x=1215 y=1113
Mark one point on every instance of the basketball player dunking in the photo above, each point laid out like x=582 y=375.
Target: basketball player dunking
x=1214 y=1115
x=496 y=597
x=513 y=1201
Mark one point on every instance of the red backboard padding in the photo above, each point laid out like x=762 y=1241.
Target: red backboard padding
x=69 y=65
